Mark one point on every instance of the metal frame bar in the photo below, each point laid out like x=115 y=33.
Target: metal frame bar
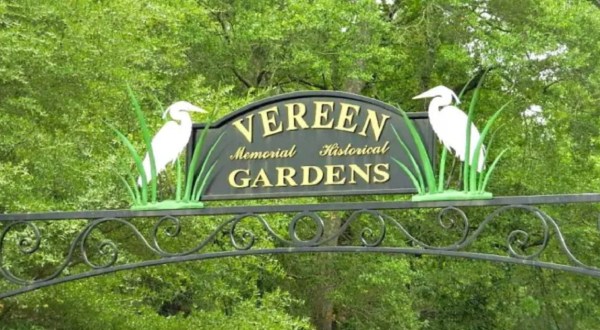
x=347 y=206
x=240 y=240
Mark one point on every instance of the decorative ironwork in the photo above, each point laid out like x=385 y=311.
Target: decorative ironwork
x=365 y=227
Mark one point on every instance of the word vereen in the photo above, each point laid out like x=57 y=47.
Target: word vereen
x=325 y=115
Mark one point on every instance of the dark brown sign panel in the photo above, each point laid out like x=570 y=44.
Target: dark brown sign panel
x=310 y=144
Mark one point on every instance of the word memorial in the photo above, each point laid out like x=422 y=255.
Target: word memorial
x=309 y=144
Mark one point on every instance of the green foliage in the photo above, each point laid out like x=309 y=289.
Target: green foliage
x=63 y=65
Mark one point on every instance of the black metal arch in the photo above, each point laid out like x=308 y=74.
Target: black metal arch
x=303 y=230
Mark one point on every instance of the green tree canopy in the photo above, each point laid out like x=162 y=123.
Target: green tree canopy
x=64 y=67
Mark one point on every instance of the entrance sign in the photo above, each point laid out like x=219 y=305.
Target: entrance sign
x=309 y=144
x=299 y=144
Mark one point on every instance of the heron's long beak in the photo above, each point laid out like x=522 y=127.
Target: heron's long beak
x=195 y=109
x=426 y=95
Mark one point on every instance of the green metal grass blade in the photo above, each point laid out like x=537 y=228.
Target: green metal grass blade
x=129 y=190
x=482 y=175
x=425 y=162
x=159 y=105
x=194 y=163
x=464 y=89
x=442 y=169
x=136 y=159
x=460 y=95
x=178 y=189
x=412 y=159
x=206 y=159
x=147 y=140
x=410 y=175
x=200 y=190
x=489 y=173
x=135 y=187
x=484 y=132
x=467 y=164
x=441 y=173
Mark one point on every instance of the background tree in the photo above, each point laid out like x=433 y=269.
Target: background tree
x=63 y=71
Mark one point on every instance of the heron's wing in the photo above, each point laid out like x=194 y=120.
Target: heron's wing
x=453 y=133
x=451 y=129
x=167 y=144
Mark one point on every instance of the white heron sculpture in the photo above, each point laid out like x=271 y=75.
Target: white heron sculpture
x=172 y=138
x=450 y=123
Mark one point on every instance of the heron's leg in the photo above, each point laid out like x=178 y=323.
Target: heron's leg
x=451 y=173
x=460 y=176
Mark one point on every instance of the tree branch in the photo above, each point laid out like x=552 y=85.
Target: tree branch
x=547 y=87
x=308 y=83
x=218 y=15
x=472 y=84
x=389 y=10
x=241 y=78
x=262 y=75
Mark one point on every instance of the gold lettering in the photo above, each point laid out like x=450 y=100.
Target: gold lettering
x=290 y=153
x=261 y=179
x=373 y=124
x=355 y=169
x=385 y=148
x=246 y=131
x=306 y=170
x=326 y=149
x=382 y=173
x=322 y=114
x=296 y=118
x=242 y=154
x=236 y=182
x=269 y=121
x=239 y=153
x=283 y=176
x=335 y=150
x=376 y=124
x=347 y=118
x=333 y=174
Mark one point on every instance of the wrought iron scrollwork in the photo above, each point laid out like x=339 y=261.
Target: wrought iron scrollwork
x=302 y=231
x=25 y=245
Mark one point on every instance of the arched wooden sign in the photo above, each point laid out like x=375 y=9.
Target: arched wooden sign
x=309 y=144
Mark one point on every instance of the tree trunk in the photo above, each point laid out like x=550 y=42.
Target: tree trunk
x=323 y=314
x=324 y=311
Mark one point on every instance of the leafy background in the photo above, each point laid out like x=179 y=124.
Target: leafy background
x=64 y=66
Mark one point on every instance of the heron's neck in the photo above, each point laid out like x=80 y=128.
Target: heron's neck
x=435 y=105
x=182 y=117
